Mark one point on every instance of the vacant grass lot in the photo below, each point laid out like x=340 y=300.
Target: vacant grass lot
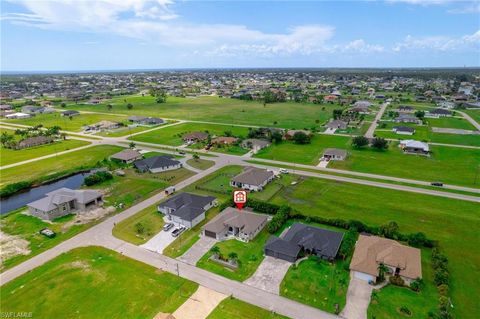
x=232 y=308
x=222 y=110
x=9 y=156
x=439 y=218
x=172 y=135
x=94 y=282
x=450 y=122
x=475 y=114
x=250 y=255
x=317 y=283
x=73 y=161
x=151 y=220
x=200 y=163
x=75 y=124
x=124 y=131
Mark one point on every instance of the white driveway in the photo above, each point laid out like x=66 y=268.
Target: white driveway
x=200 y=304
x=269 y=275
x=322 y=164
x=358 y=299
x=200 y=248
x=330 y=131
x=161 y=240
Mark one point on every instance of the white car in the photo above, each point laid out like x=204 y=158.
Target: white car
x=283 y=171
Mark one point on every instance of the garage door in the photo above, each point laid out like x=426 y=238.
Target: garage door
x=210 y=234
x=363 y=276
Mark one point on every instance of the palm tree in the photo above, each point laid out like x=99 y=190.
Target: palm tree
x=233 y=256
x=215 y=250
x=132 y=145
x=382 y=269
x=196 y=157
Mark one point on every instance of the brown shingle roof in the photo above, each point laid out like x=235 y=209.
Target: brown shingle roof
x=371 y=251
x=247 y=221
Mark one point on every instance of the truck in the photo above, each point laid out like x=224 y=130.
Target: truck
x=169 y=190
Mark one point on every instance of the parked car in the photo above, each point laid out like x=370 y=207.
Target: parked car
x=178 y=231
x=283 y=171
x=440 y=184
x=47 y=232
x=182 y=153
x=167 y=226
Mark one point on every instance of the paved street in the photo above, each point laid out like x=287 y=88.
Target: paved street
x=371 y=130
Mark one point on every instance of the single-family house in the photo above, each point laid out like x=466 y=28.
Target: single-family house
x=362 y=104
x=414 y=147
x=252 y=178
x=337 y=124
x=70 y=113
x=372 y=251
x=405 y=109
x=157 y=164
x=127 y=156
x=34 y=141
x=334 y=154
x=437 y=113
x=404 y=130
x=359 y=110
x=290 y=133
x=255 y=144
x=317 y=241
x=65 y=201
x=407 y=118
x=143 y=120
x=33 y=109
x=5 y=107
x=330 y=98
x=224 y=140
x=242 y=225
x=18 y=115
x=187 y=209
x=195 y=137
x=446 y=104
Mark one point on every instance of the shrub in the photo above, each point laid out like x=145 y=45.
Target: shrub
x=397 y=281
x=348 y=243
x=443 y=290
x=359 y=141
x=417 y=284
x=11 y=189
x=97 y=178
x=278 y=219
x=441 y=277
x=405 y=310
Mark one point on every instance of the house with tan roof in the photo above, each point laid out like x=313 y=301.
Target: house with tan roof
x=224 y=140
x=371 y=251
x=242 y=225
x=252 y=178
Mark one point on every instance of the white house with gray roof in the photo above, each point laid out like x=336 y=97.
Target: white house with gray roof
x=335 y=154
x=252 y=178
x=187 y=209
x=65 y=201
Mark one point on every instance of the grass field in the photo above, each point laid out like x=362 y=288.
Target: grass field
x=475 y=114
x=94 y=282
x=250 y=255
x=441 y=219
x=232 y=308
x=449 y=165
x=73 y=161
x=317 y=283
x=9 y=156
x=75 y=124
x=124 y=131
x=222 y=110
x=386 y=302
x=450 y=122
x=172 y=135
x=150 y=218
x=200 y=163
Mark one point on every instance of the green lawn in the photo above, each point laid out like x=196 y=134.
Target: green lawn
x=250 y=255
x=232 y=308
x=172 y=135
x=304 y=154
x=124 y=131
x=149 y=218
x=439 y=218
x=317 y=283
x=475 y=114
x=9 y=156
x=75 y=124
x=200 y=163
x=94 y=282
x=386 y=302
x=70 y=162
x=450 y=122
x=222 y=110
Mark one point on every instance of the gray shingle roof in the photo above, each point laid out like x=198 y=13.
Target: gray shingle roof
x=155 y=162
x=253 y=176
x=186 y=205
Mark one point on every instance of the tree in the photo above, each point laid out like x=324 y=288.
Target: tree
x=63 y=104
x=380 y=143
x=132 y=145
x=337 y=113
x=215 y=250
x=382 y=269
x=389 y=230
x=159 y=94
x=276 y=137
x=420 y=114
x=109 y=107
x=301 y=138
x=129 y=106
x=417 y=284
x=196 y=157
x=233 y=256
x=6 y=140
x=139 y=228
x=359 y=141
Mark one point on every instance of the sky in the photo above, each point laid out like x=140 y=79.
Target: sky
x=59 y=35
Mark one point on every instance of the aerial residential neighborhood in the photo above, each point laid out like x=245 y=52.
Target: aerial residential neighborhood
x=240 y=159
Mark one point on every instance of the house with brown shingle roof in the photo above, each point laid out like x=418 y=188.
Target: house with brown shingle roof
x=127 y=156
x=224 y=140
x=371 y=251
x=195 y=137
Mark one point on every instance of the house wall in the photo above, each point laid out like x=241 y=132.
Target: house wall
x=364 y=276
x=167 y=168
x=60 y=211
x=278 y=255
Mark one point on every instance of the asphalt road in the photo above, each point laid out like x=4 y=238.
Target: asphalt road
x=373 y=126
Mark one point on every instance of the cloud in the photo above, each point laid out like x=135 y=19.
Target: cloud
x=439 y=43
x=421 y=2
x=474 y=7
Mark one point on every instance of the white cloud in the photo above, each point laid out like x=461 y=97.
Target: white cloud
x=473 y=7
x=421 y=2
x=439 y=43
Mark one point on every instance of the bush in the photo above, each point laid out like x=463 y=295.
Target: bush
x=405 y=310
x=359 y=141
x=278 y=219
x=443 y=290
x=97 y=178
x=417 y=284
x=11 y=189
x=397 y=281
x=348 y=243
x=441 y=277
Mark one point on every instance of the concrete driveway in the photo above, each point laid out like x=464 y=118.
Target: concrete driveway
x=358 y=299
x=269 y=275
x=161 y=240
x=200 y=248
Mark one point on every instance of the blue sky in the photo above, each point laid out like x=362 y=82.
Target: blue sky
x=141 y=34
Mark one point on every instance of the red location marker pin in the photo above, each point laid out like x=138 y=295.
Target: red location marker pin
x=240 y=198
